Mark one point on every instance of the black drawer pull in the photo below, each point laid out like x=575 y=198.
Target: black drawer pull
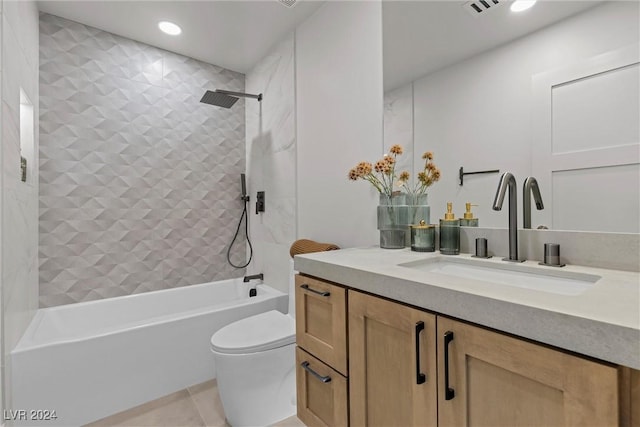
x=420 y=377
x=449 y=393
x=305 y=366
x=321 y=293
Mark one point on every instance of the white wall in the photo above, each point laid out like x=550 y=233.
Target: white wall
x=271 y=162
x=19 y=238
x=339 y=118
x=477 y=113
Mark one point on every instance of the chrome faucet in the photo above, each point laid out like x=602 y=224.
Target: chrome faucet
x=508 y=180
x=255 y=276
x=529 y=185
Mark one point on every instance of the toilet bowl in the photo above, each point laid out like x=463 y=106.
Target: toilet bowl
x=255 y=360
x=255 y=366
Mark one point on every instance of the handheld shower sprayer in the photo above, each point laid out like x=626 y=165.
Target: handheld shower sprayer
x=243 y=183
x=245 y=199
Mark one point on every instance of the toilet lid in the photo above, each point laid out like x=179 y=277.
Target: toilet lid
x=261 y=332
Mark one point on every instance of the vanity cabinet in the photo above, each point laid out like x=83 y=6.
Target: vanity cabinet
x=409 y=367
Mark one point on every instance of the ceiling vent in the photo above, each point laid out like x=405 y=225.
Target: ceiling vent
x=288 y=3
x=480 y=7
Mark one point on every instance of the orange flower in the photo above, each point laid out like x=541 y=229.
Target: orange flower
x=396 y=149
x=364 y=168
x=380 y=165
x=382 y=174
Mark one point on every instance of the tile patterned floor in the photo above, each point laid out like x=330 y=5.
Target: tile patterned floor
x=194 y=406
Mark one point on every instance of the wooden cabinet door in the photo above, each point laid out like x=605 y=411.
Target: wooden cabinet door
x=321 y=326
x=392 y=364
x=497 y=380
x=321 y=393
x=629 y=381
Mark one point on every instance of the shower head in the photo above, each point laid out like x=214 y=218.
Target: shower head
x=225 y=98
x=219 y=99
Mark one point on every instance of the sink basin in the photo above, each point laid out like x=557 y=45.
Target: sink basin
x=520 y=276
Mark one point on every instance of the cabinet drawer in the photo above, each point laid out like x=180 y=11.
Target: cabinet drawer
x=321 y=392
x=321 y=327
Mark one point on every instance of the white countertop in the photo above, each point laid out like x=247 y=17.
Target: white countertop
x=603 y=322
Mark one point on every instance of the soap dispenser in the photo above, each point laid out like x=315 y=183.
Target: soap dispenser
x=449 y=233
x=468 y=220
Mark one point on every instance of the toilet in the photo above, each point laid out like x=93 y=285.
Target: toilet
x=255 y=367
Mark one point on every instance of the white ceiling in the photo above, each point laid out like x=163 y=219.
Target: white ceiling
x=424 y=36
x=418 y=36
x=232 y=34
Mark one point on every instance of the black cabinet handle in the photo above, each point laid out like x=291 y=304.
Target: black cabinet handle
x=305 y=366
x=420 y=377
x=321 y=293
x=449 y=393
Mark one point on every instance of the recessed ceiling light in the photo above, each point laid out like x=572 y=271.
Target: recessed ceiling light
x=169 y=28
x=520 y=5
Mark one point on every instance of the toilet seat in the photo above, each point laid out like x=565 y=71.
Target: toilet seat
x=264 y=331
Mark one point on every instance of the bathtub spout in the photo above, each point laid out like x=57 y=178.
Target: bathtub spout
x=255 y=276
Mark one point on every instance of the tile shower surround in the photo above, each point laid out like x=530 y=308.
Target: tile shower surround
x=138 y=179
x=271 y=161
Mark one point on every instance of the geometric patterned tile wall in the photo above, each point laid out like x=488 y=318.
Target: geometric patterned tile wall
x=139 y=181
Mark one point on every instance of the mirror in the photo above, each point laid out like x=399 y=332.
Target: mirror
x=551 y=92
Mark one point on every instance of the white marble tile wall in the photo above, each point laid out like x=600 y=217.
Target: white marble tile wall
x=271 y=162
x=398 y=127
x=19 y=238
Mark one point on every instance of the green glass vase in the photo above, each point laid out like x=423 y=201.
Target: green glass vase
x=393 y=217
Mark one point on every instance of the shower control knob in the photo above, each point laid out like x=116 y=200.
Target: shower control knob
x=260 y=204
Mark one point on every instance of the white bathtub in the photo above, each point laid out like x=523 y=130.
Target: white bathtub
x=89 y=360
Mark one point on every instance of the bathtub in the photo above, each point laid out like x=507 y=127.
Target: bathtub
x=89 y=360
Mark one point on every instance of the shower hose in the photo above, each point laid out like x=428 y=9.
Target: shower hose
x=246 y=232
